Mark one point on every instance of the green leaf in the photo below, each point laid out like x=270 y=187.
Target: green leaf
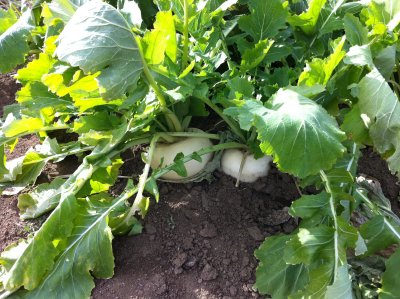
x=254 y=56
x=356 y=33
x=359 y=56
x=24 y=170
x=102 y=179
x=297 y=132
x=309 y=205
x=391 y=278
x=319 y=71
x=265 y=20
x=161 y=40
x=328 y=21
x=307 y=21
x=380 y=104
x=42 y=199
x=37 y=258
x=98 y=38
x=7 y=19
x=341 y=287
x=392 y=8
x=61 y=10
x=379 y=233
x=310 y=244
x=354 y=126
x=13 y=43
x=273 y=275
x=15 y=127
x=36 y=69
x=385 y=61
x=320 y=277
x=101 y=121
x=87 y=250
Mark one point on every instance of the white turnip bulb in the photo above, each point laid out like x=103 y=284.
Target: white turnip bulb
x=165 y=153
x=252 y=168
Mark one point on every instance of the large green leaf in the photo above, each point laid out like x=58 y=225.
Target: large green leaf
x=301 y=136
x=252 y=57
x=319 y=71
x=40 y=200
x=273 y=275
x=37 y=258
x=61 y=9
x=7 y=19
x=265 y=20
x=161 y=40
x=87 y=251
x=307 y=21
x=379 y=233
x=14 y=44
x=98 y=38
x=381 y=105
x=356 y=33
x=391 y=278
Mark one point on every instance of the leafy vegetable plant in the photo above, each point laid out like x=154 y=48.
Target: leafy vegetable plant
x=307 y=83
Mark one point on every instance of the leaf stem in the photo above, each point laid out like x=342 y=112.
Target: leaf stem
x=336 y=225
x=235 y=129
x=185 y=53
x=172 y=120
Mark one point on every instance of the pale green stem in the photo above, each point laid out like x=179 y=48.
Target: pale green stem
x=241 y=168
x=43 y=129
x=185 y=53
x=336 y=225
x=235 y=129
x=172 y=120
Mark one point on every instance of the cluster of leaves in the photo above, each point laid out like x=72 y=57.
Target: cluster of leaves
x=307 y=82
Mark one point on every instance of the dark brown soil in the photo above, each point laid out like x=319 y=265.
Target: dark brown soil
x=8 y=87
x=198 y=241
x=372 y=165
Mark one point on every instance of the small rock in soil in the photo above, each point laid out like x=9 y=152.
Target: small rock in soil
x=233 y=290
x=187 y=243
x=277 y=217
x=158 y=284
x=209 y=231
x=150 y=229
x=204 y=201
x=190 y=263
x=180 y=259
x=178 y=271
x=208 y=273
x=226 y=262
x=255 y=233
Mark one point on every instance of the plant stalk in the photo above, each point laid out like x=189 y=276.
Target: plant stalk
x=336 y=225
x=172 y=120
x=185 y=53
x=235 y=129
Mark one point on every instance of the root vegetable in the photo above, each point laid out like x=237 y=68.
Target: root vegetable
x=252 y=168
x=165 y=153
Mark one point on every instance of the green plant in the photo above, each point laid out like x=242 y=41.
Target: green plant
x=298 y=81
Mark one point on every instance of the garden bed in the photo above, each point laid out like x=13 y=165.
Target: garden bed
x=199 y=240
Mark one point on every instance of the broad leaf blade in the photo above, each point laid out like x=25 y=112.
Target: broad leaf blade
x=41 y=200
x=297 y=132
x=265 y=20
x=13 y=43
x=381 y=105
x=307 y=21
x=273 y=275
x=88 y=251
x=391 y=278
x=98 y=38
